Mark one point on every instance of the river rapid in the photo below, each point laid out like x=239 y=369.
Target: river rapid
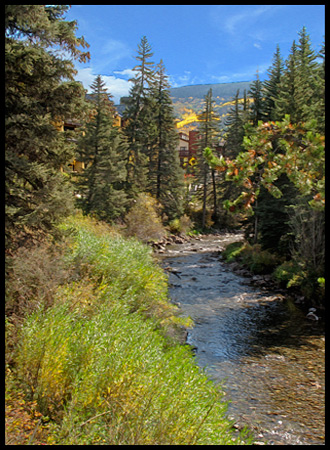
x=268 y=357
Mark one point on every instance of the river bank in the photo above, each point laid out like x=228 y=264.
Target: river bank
x=255 y=338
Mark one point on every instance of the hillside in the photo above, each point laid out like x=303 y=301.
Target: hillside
x=188 y=101
x=223 y=91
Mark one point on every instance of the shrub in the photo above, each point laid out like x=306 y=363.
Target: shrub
x=143 y=220
x=33 y=275
x=293 y=275
x=232 y=251
x=196 y=214
x=288 y=274
x=182 y=225
x=257 y=260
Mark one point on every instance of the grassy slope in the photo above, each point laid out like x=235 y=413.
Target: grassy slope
x=98 y=361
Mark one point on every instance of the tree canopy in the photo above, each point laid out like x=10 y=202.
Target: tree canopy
x=39 y=91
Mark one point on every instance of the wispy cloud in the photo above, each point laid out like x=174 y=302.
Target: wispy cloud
x=237 y=22
x=184 y=80
x=248 y=73
x=112 y=55
x=244 y=19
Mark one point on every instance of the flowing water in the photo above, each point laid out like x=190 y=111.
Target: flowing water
x=258 y=344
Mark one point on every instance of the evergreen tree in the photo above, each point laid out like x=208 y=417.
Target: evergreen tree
x=138 y=114
x=286 y=101
x=272 y=216
x=318 y=107
x=165 y=177
x=238 y=116
x=272 y=86
x=208 y=132
x=104 y=152
x=235 y=129
x=39 y=91
x=307 y=86
x=301 y=93
x=257 y=107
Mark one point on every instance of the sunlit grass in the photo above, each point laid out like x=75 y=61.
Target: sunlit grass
x=99 y=362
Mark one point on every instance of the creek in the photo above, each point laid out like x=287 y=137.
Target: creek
x=268 y=357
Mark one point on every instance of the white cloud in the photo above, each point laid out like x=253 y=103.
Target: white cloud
x=258 y=46
x=116 y=86
x=129 y=73
x=86 y=76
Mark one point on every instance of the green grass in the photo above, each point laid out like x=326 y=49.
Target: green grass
x=99 y=362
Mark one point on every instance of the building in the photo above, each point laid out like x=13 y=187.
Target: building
x=183 y=146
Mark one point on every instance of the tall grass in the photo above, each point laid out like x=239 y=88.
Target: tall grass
x=99 y=363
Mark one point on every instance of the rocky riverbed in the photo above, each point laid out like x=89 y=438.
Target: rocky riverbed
x=252 y=339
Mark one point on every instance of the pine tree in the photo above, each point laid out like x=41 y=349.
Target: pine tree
x=318 y=108
x=237 y=117
x=272 y=86
x=165 y=177
x=286 y=101
x=104 y=152
x=235 y=129
x=301 y=93
x=306 y=87
x=257 y=107
x=39 y=91
x=138 y=114
x=208 y=132
x=272 y=215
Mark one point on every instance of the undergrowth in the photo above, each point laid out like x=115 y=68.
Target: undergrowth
x=257 y=260
x=99 y=362
x=294 y=275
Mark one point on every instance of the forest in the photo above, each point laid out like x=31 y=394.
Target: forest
x=77 y=243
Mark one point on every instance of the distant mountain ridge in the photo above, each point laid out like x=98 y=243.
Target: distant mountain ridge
x=224 y=90
x=189 y=101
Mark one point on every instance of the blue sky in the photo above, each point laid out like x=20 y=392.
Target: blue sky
x=199 y=44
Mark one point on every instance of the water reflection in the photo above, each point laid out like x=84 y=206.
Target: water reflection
x=269 y=356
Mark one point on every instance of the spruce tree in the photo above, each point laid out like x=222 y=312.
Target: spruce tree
x=208 y=132
x=286 y=101
x=237 y=117
x=272 y=86
x=318 y=107
x=104 y=152
x=39 y=91
x=138 y=114
x=301 y=90
x=235 y=129
x=165 y=177
x=307 y=86
x=272 y=215
x=257 y=106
